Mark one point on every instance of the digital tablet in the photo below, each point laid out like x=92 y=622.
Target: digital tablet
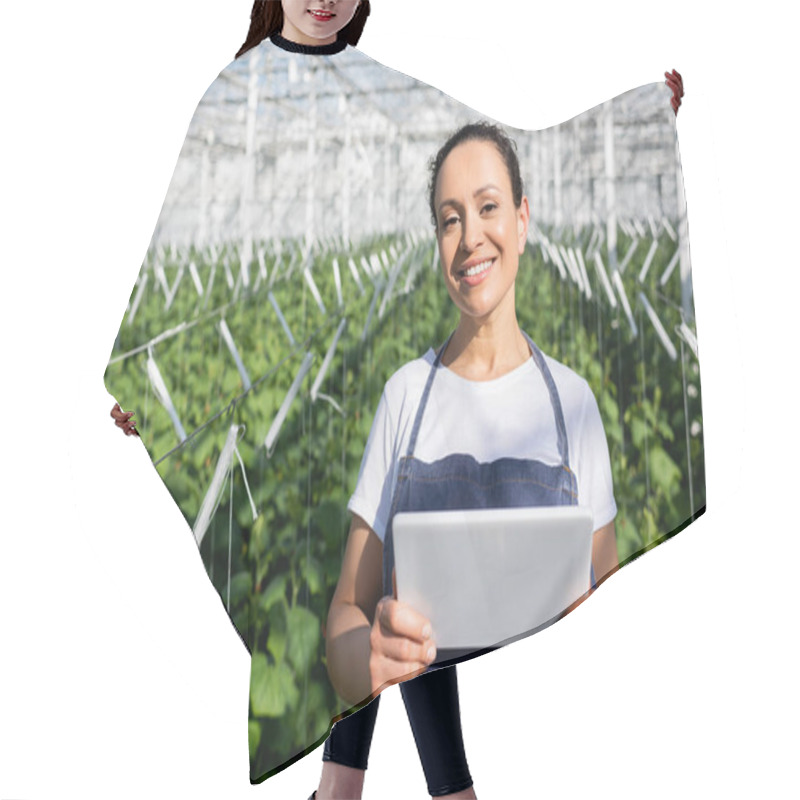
x=486 y=577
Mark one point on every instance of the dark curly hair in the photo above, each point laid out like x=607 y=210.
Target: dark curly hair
x=478 y=132
x=266 y=18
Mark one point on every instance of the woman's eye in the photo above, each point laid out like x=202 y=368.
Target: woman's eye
x=489 y=207
x=449 y=222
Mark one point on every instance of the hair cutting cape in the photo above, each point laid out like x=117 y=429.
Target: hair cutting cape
x=294 y=269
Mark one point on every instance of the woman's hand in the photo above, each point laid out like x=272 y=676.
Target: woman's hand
x=675 y=82
x=401 y=643
x=372 y=641
x=124 y=420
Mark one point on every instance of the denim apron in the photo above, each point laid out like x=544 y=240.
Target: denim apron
x=459 y=481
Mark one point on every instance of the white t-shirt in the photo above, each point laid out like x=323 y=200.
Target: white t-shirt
x=511 y=416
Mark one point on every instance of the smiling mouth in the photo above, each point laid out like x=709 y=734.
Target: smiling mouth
x=477 y=269
x=323 y=16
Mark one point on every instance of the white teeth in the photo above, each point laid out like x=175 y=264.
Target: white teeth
x=478 y=268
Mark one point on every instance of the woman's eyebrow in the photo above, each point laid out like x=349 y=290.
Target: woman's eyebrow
x=477 y=192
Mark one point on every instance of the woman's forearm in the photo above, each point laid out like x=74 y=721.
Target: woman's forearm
x=348 y=652
x=605 y=558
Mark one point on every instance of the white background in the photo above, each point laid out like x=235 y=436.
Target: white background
x=120 y=675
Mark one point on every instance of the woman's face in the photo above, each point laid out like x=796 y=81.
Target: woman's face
x=316 y=22
x=481 y=233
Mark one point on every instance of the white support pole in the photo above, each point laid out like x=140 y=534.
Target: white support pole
x=576 y=254
x=611 y=177
x=648 y=260
x=174 y=289
x=354 y=272
x=688 y=336
x=162 y=394
x=629 y=255
x=281 y=318
x=337 y=280
x=234 y=351
x=601 y=271
x=198 y=284
x=623 y=298
x=280 y=417
x=556 y=257
x=312 y=285
x=659 y=328
x=213 y=494
x=670 y=267
x=315 y=393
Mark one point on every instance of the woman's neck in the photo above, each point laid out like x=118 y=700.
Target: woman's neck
x=482 y=350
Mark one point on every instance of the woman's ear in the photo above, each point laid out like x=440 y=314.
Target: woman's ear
x=523 y=219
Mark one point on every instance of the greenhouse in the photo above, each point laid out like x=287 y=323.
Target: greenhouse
x=294 y=268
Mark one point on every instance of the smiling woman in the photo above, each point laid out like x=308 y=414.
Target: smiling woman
x=316 y=21
x=306 y=22
x=534 y=438
x=482 y=229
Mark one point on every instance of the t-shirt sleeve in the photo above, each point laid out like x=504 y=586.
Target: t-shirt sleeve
x=593 y=465
x=372 y=497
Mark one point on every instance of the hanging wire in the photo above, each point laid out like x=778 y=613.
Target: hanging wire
x=644 y=411
x=230 y=537
x=686 y=426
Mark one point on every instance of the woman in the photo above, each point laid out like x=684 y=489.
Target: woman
x=487 y=421
x=317 y=27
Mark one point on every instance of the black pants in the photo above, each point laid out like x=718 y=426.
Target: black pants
x=432 y=706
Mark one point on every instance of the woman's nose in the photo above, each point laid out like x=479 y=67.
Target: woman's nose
x=471 y=233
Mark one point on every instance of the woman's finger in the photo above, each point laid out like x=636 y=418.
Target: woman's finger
x=400 y=619
x=119 y=415
x=124 y=420
x=403 y=652
x=677 y=80
x=674 y=81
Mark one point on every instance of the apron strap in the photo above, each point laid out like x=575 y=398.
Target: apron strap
x=412 y=443
x=555 y=400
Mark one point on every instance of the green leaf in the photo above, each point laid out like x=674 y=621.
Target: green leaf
x=274 y=593
x=313 y=575
x=272 y=688
x=258 y=535
x=303 y=633
x=241 y=586
x=664 y=470
x=253 y=737
x=277 y=640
